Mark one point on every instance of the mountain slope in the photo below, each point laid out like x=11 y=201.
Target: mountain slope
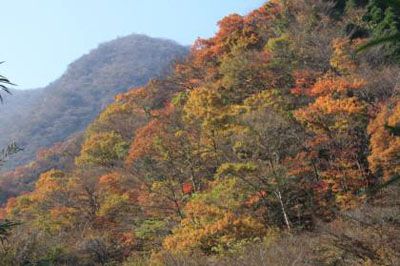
x=273 y=143
x=39 y=118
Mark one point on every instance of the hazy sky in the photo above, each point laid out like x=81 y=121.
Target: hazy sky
x=39 y=38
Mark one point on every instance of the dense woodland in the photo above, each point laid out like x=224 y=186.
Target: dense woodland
x=275 y=142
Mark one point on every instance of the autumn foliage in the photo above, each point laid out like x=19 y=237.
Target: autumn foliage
x=272 y=125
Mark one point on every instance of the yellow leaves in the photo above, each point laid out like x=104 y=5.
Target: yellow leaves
x=206 y=107
x=216 y=235
x=343 y=58
x=49 y=182
x=238 y=169
x=112 y=203
x=215 y=220
x=265 y=99
x=17 y=207
x=348 y=200
x=203 y=104
x=280 y=43
x=103 y=149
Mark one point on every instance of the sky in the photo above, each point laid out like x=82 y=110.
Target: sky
x=41 y=37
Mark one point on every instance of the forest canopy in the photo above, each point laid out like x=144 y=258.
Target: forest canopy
x=275 y=141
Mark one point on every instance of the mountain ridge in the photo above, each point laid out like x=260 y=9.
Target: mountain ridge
x=86 y=87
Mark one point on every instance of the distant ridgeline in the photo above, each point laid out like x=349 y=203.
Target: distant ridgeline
x=39 y=118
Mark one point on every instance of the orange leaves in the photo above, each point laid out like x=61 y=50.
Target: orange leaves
x=327 y=114
x=337 y=117
x=141 y=100
x=144 y=142
x=112 y=182
x=385 y=142
x=254 y=199
x=343 y=55
x=235 y=32
x=327 y=85
x=328 y=105
x=210 y=50
x=331 y=85
x=332 y=101
x=346 y=106
x=132 y=95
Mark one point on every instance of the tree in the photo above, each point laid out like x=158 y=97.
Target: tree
x=385 y=141
x=216 y=220
x=103 y=149
x=5 y=226
x=269 y=139
x=4 y=85
x=383 y=18
x=165 y=156
x=338 y=119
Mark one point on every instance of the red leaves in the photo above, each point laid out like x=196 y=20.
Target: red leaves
x=187 y=188
x=303 y=80
x=144 y=140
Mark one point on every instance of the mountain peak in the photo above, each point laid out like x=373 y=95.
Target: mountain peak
x=68 y=104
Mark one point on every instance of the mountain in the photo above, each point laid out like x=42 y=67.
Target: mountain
x=273 y=143
x=41 y=117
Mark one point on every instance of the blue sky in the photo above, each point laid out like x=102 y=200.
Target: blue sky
x=41 y=37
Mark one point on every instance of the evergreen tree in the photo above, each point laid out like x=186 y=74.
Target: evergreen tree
x=384 y=21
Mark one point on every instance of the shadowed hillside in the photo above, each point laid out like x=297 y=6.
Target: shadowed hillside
x=39 y=118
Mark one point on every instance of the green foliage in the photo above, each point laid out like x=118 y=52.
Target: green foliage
x=5 y=228
x=103 y=149
x=383 y=18
x=4 y=84
x=150 y=229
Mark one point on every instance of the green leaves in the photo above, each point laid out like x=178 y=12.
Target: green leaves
x=11 y=149
x=5 y=228
x=4 y=83
x=379 y=41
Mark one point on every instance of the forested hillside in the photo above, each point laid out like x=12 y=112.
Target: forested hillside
x=275 y=142
x=39 y=118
